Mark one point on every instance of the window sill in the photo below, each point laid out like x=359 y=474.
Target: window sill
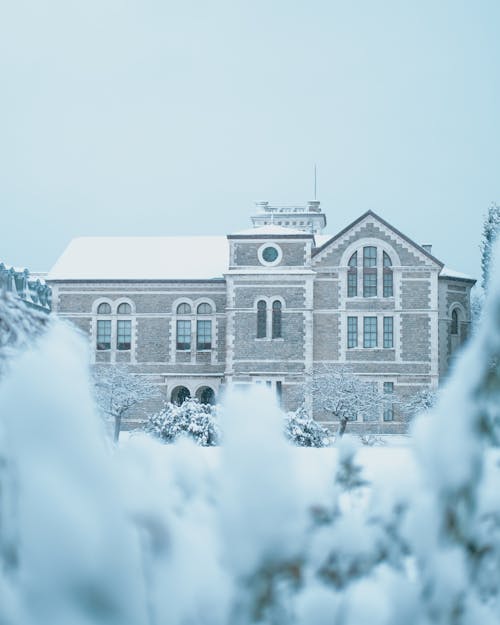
x=373 y=349
x=362 y=298
x=265 y=338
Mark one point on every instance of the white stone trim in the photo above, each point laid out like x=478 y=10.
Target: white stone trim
x=265 y=262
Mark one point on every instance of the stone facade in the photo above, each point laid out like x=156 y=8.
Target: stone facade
x=286 y=301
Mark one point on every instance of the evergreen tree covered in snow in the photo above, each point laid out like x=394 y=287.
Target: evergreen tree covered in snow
x=304 y=431
x=491 y=228
x=193 y=419
x=19 y=326
x=118 y=392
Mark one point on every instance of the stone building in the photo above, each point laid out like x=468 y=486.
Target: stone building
x=268 y=305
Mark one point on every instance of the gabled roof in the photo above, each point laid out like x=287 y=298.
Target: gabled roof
x=143 y=258
x=385 y=223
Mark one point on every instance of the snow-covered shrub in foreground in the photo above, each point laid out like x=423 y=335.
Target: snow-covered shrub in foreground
x=152 y=534
x=192 y=419
x=303 y=431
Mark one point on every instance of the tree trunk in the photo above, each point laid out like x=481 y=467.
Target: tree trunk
x=118 y=423
x=342 y=426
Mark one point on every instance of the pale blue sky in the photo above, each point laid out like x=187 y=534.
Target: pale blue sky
x=155 y=117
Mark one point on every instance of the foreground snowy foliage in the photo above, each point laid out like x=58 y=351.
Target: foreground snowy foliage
x=180 y=535
x=192 y=419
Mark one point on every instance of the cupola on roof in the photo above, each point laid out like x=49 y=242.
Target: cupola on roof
x=307 y=218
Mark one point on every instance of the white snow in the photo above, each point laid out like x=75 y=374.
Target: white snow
x=272 y=229
x=255 y=531
x=446 y=272
x=143 y=258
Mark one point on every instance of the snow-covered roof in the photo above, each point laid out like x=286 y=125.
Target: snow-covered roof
x=446 y=272
x=271 y=230
x=143 y=258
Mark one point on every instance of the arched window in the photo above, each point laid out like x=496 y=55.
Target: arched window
x=261 y=319
x=204 y=309
x=352 y=276
x=454 y=321
x=370 y=271
x=276 y=325
x=179 y=395
x=124 y=309
x=103 y=328
x=388 y=276
x=205 y=395
x=183 y=309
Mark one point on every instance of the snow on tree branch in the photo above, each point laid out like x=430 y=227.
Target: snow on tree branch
x=118 y=391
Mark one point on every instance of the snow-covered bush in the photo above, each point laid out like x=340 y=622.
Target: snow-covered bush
x=93 y=534
x=304 y=431
x=191 y=418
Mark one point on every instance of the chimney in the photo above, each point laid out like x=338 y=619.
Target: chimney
x=427 y=248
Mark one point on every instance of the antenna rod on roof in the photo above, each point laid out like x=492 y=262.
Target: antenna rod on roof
x=315 y=182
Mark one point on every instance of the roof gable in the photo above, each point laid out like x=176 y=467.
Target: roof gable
x=319 y=252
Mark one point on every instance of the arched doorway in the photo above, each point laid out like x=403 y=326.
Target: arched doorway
x=179 y=395
x=205 y=395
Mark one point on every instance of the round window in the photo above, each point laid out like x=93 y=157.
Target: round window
x=269 y=254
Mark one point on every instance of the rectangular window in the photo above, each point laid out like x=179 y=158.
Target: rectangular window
x=388 y=332
x=123 y=334
x=370 y=332
x=103 y=334
x=369 y=283
x=352 y=283
x=203 y=334
x=369 y=257
x=389 y=406
x=352 y=332
x=183 y=334
x=388 y=283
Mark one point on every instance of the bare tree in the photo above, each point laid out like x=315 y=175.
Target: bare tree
x=337 y=390
x=118 y=391
x=421 y=402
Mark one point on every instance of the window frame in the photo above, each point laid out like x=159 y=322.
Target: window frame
x=388 y=332
x=178 y=344
x=276 y=319
x=108 y=343
x=204 y=346
x=370 y=332
x=352 y=332
x=123 y=323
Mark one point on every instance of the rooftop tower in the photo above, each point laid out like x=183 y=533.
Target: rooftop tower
x=308 y=218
